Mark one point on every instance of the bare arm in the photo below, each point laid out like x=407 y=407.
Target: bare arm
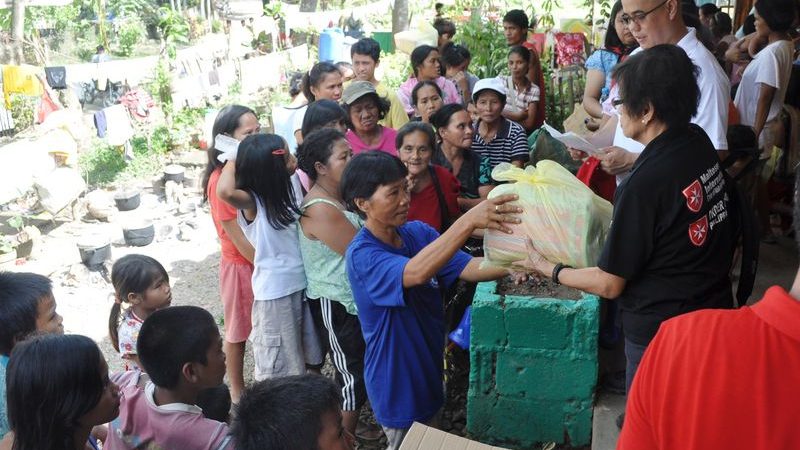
x=530 y=117
x=595 y=80
x=328 y=225
x=239 y=199
x=765 y=97
x=518 y=163
x=474 y=273
x=236 y=235
x=425 y=264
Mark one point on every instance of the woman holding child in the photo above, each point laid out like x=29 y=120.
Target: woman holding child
x=395 y=270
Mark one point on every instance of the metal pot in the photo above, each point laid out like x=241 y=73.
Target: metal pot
x=175 y=173
x=139 y=234
x=127 y=200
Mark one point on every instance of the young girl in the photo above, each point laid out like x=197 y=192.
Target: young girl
x=262 y=185
x=58 y=390
x=143 y=283
x=236 y=262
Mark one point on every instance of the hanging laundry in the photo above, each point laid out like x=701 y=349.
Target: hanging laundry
x=100 y=123
x=118 y=125
x=20 y=80
x=56 y=77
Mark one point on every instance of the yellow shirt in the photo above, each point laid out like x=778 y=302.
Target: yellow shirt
x=396 y=117
x=20 y=80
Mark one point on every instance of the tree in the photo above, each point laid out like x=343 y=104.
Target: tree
x=400 y=16
x=18 y=21
x=308 y=5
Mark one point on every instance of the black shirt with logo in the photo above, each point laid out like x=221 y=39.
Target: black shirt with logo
x=672 y=235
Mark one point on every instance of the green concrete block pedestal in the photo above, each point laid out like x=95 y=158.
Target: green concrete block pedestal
x=533 y=369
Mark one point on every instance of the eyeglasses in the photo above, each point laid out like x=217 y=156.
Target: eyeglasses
x=638 y=17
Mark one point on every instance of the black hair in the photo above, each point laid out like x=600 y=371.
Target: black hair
x=708 y=9
x=444 y=26
x=20 y=295
x=284 y=413
x=320 y=113
x=612 y=39
x=215 y=403
x=227 y=121
x=100 y=48
x=523 y=53
x=172 y=337
x=296 y=84
x=381 y=102
x=691 y=18
x=454 y=55
x=663 y=78
x=367 y=46
x=721 y=24
x=413 y=127
x=779 y=15
x=420 y=85
x=749 y=24
x=518 y=18
x=317 y=147
x=131 y=274
x=419 y=55
x=315 y=76
x=261 y=171
x=366 y=172
x=51 y=382
x=441 y=118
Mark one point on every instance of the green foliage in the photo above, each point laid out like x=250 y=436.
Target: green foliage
x=101 y=164
x=546 y=20
x=85 y=49
x=486 y=43
x=174 y=30
x=396 y=69
x=160 y=140
x=131 y=32
x=22 y=111
x=145 y=10
x=17 y=222
x=161 y=85
x=216 y=26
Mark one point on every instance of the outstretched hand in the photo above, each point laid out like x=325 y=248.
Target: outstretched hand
x=535 y=262
x=494 y=214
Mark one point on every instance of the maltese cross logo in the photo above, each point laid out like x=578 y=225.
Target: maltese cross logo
x=694 y=196
x=698 y=231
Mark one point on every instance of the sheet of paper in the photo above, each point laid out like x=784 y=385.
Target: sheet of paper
x=227 y=145
x=571 y=140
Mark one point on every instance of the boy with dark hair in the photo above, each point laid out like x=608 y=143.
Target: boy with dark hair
x=366 y=56
x=27 y=306
x=292 y=413
x=181 y=350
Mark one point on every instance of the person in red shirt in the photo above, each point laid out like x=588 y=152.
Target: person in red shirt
x=236 y=262
x=434 y=190
x=720 y=379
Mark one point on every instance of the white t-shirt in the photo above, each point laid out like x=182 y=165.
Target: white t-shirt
x=771 y=66
x=277 y=266
x=712 y=110
x=284 y=122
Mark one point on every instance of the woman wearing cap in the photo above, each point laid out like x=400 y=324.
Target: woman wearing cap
x=522 y=98
x=497 y=138
x=426 y=66
x=364 y=108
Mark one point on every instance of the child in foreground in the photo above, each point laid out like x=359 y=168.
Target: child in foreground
x=27 y=306
x=181 y=350
x=142 y=283
x=58 y=390
x=291 y=413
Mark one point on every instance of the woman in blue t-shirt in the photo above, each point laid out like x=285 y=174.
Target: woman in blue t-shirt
x=619 y=42
x=397 y=272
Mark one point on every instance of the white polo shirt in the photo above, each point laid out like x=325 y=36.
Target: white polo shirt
x=712 y=110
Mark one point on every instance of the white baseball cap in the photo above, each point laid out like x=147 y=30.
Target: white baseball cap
x=493 y=84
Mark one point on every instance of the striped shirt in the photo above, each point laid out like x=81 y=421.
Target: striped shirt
x=516 y=100
x=510 y=144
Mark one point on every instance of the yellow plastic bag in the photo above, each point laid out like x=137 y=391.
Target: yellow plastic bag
x=565 y=220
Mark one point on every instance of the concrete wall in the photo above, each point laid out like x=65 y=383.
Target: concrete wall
x=533 y=369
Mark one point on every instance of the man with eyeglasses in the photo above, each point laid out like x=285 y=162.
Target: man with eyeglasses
x=654 y=22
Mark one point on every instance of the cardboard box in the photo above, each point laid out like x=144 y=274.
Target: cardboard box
x=422 y=437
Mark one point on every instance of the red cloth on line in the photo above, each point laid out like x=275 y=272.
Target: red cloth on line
x=720 y=379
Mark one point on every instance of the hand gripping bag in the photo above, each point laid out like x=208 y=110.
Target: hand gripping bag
x=565 y=220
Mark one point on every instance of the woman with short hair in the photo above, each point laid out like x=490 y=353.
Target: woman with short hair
x=670 y=245
x=497 y=138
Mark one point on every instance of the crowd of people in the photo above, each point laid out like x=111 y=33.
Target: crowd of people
x=342 y=231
